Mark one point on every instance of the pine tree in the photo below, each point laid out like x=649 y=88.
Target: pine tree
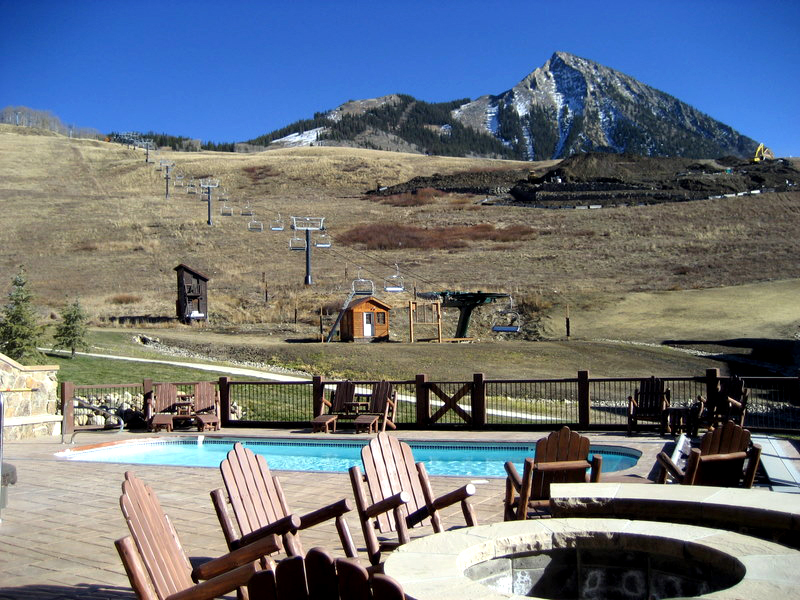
x=19 y=330
x=71 y=332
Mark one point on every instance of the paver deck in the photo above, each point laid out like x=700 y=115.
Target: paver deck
x=58 y=530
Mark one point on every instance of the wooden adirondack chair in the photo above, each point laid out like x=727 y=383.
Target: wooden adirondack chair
x=206 y=406
x=259 y=507
x=160 y=407
x=401 y=494
x=319 y=577
x=341 y=405
x=649 y=403
x=561 y=457
x=727 y=403
x=156 y=563
x=719 y=461
x=380 y=411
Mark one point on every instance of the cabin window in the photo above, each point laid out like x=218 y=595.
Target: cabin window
x=381 y=318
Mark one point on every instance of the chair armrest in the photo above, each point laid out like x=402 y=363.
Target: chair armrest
x=753 y=458
x=597 y=467
x=387 y=504
x=448 y=499
x=331 y=511
x=562 y=465
x=513 y=475
x=239 y=557
x=288 y=524
x=668 y=468
x=218 y=586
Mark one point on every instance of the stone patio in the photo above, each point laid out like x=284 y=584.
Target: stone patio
x=57 y=533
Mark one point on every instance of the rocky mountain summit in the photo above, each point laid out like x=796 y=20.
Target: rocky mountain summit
x=570 y=105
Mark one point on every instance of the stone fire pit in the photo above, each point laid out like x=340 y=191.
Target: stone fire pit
x=594 y=558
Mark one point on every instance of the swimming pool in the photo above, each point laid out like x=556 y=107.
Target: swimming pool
x=476 y=459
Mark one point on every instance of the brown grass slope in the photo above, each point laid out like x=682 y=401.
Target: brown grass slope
x=89 y=219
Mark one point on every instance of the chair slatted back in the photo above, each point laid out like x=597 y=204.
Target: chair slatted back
x=205 y=397
x=650 y=397
x=164 y=397
x=389 y=468
x=382 y=392
x=255 y=499
x=155 y=538
x=730 y=437
x=345 y=392
x=559 y=446
x=719 y=470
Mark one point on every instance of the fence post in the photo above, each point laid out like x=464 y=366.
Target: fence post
x=584 y=402
x=67 y=409
x=712 y=381
x=478 y=400
x=317 y=392
x=147 y=397
x=423 y=399
x=224 y=401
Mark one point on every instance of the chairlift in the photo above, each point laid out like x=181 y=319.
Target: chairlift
x=191 y=187
x=247 y=210
x=277 y=225
x=508 y=320
x=223 y=195
x=179 y=178
x=297 y=243
x=361 y=286
x=323 y=240
x=225 y=211
x=254 y=225
x=394 y=283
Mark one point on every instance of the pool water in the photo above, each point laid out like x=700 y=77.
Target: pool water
x=440 y=458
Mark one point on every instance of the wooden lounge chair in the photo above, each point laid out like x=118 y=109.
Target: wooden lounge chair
x=401 y=494
x=317 y=576
x=379 y=411
x=156 y=563
x=160 y=407
x=259 y=507
x=561 y=457
x=719 y=461
x=649 y=403
x=341 y=405
x=727 y=403
x=206 y=406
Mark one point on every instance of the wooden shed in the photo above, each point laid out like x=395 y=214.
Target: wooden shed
x=365 y=320
x=192 y=302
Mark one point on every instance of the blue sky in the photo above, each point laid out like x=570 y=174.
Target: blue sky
x=233 y=70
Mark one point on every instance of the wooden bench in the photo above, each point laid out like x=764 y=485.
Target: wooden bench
x=324 y=424
x=206 y=422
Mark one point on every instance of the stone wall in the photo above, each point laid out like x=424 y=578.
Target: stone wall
x=34 y=413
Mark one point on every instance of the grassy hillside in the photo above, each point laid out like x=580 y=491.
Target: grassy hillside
x=89 y=219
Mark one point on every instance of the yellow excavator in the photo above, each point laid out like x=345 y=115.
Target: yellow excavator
x=763 y=153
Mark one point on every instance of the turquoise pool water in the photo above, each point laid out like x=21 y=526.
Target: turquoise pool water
x=440 y=458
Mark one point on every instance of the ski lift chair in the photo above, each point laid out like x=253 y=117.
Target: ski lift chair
x=297 y=243
x=361 y=286
x=223 y=195
x=394 y=283
x=191 y=187
x=254 y=225
x=323 y=240
x=508 y=320
x=277 y=225
x=225 y=210
x=247 y=210
x=179 y=178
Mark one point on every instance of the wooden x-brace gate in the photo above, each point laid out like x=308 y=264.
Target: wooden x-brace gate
x=451 y=402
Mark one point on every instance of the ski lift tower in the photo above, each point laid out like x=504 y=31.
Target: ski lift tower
x=208 y=185
x=465 y=302
x=166 y=165
x=308 y=224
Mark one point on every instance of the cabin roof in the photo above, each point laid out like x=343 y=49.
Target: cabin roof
x=370 y=299
x=183 y=267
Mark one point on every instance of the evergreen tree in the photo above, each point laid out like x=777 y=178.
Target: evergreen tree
x=70 y=333
x=19 y=330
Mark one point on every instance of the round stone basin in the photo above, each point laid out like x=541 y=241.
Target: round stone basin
x=594 y=558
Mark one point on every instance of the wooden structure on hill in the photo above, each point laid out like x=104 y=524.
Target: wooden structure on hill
x=192 y=302
x=366 y=320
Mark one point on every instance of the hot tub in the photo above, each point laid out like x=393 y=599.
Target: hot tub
x=594 y=558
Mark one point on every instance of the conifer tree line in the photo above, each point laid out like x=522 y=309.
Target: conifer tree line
x=21 y=332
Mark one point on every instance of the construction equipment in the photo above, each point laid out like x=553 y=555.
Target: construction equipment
x=763 y=153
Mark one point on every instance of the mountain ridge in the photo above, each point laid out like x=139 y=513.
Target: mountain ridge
x=569 y=105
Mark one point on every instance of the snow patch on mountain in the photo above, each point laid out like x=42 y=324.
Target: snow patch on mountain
x=304 y=138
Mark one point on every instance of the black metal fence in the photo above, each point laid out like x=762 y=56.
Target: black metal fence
x=583 y=401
